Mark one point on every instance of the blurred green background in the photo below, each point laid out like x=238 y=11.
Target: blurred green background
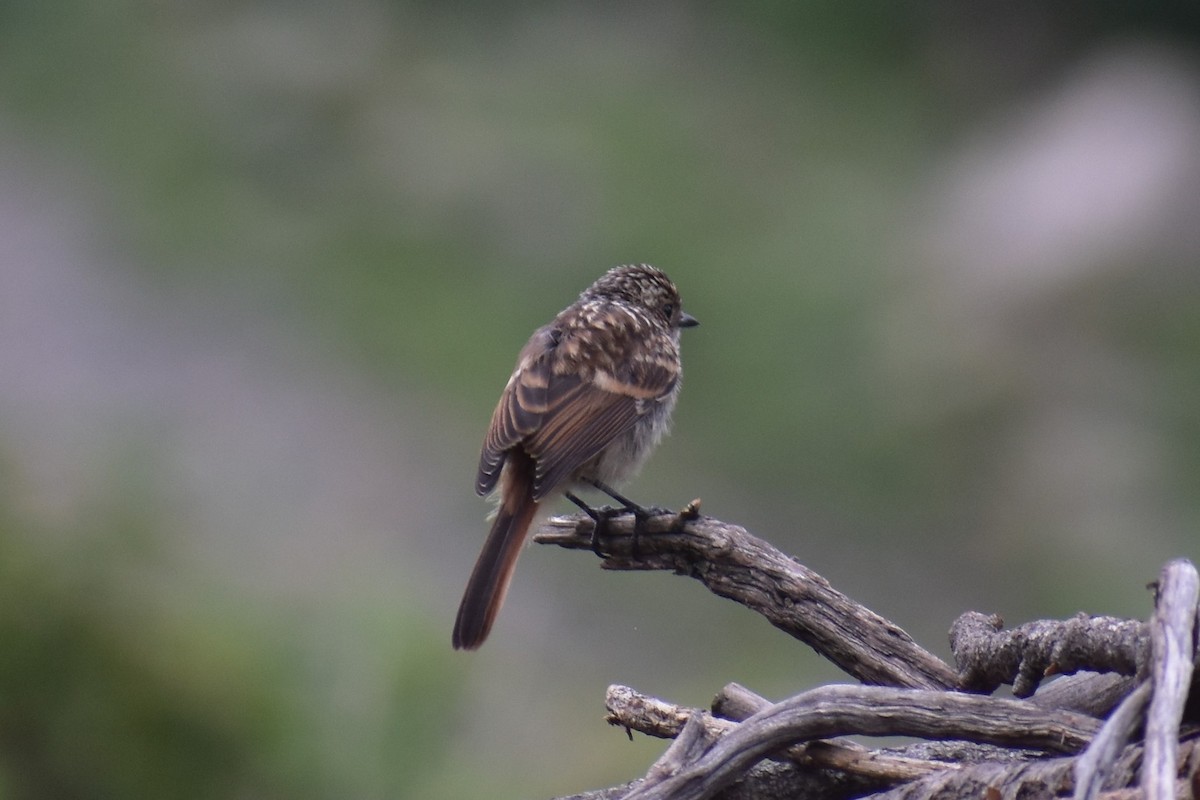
x=265 y=267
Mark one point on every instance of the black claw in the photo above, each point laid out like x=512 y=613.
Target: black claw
x=640 y=515
x=600 y=528
x=600 y=518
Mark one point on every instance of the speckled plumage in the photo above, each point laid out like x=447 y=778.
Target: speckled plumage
x=590 y=397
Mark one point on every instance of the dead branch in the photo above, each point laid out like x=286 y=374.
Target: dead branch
x=1173 y=651
x=633 y=710
x=874 y=711
x=747 y=747
x=1093 y=693
x=990 y=779
x=1093 y=767
x=734 y=564
x=988 y=656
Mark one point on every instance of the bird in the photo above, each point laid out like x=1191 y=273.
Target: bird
x=590 y=398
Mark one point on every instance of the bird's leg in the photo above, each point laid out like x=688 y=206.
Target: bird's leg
x=600 y=518
x=640 y=514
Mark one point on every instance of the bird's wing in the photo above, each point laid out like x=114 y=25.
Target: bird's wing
x=564 y=416
x=585 y=415
x=521 y=408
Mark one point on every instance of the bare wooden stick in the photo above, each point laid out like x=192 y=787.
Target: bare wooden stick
x=886 y=769
x=611 y=793
x=1094 y=765
x=988 y=656
x=737 y=703
x=1093 y=693
x=734 y=564
x=633 y=710
x=1173 y=646
x=989 y=779
x=688 y=746
x=712 y=750
x=870 y=710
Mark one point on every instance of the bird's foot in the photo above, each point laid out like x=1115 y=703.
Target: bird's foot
x=602 y=516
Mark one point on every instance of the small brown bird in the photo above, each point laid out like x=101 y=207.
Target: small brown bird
x=591 y=396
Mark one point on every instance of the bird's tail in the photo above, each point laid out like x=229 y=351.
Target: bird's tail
x=494 y=570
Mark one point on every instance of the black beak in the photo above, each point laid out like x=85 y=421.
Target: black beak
x=686 y=320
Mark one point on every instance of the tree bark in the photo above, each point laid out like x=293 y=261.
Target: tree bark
x=1137 y=674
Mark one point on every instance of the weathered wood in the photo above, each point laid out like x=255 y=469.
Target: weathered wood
x=990 y=780
x=633 y=710
x=734 y=564
x=874 y=711
x=988 y=656
x=1093 y=693
x=747 y=748
x=1093 y=767
x=1173 y=652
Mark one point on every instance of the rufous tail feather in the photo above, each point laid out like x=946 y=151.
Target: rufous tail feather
x=494 y=570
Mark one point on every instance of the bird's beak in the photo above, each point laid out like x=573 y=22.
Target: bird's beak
x=686 y=320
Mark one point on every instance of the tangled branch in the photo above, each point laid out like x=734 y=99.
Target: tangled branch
x=1053 y=742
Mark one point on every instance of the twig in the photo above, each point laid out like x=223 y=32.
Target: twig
x=736 y=702
x=791 y=741
x=633 y=710
x=1173 y=645
x=734 y=564
x=1044 y=778
x=988 y=656
x=990 y=779
x=1093 y=766
x=1093 y=693
x=689 y=745
x=876 y=711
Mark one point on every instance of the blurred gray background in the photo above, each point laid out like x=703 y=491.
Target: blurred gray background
x=265 y=267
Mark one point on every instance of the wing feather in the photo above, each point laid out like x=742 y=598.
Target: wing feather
x=577 y=431
x=564 y=416
x=520 y=410
x=587 y=416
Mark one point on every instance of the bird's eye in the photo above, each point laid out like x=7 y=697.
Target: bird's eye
x=669 y=310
